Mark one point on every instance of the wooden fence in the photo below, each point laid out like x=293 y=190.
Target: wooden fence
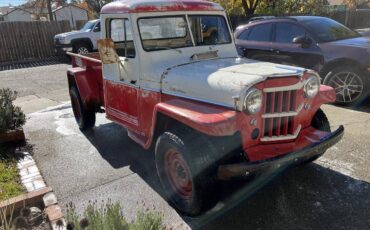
x=20 y=41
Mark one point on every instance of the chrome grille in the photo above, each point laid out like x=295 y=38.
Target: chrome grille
x=280 y=108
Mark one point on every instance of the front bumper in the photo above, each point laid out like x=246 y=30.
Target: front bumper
x=226 y=172
x=61 y=49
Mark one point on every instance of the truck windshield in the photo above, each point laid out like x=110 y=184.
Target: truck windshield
x=162 y=33
x=209 y=30
x=87 y=27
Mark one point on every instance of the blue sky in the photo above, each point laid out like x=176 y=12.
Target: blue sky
x=13 y=2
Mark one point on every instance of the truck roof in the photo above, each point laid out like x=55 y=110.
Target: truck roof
x=142 y=6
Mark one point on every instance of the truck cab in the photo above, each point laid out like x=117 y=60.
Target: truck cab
x=169 y=72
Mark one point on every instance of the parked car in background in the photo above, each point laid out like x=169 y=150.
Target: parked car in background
x=82 y=41
x=339 y=54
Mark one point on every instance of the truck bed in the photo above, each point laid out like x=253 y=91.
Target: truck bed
x=86 y=73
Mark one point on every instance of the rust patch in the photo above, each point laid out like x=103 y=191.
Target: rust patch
x=107 y=51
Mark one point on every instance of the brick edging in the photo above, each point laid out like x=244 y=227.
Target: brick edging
x=34 y=183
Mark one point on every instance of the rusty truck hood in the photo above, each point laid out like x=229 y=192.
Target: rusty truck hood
x=218 y=81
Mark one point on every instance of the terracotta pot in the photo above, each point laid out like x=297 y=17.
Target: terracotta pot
x=16 y=135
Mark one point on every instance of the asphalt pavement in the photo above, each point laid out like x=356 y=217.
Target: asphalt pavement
x=331 y=193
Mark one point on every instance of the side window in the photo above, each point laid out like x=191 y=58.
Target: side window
x=285 y=32
x=261 y=33
x=97 y=27
x=121 y=33
x=244 y=34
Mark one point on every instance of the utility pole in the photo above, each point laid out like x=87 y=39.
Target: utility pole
x=48 y=2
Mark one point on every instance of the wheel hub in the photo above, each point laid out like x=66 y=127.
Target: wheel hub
x=348 y=86
x=178 y=174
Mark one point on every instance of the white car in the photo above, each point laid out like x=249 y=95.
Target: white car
x=82 y=41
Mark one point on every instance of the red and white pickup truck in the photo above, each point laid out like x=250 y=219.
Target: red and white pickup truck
x=208 y=114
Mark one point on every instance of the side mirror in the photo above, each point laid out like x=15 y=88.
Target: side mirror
x=304 y=41
x=97 y=29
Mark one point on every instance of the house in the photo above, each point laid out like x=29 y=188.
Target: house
x=72 y=13
x=14 y=14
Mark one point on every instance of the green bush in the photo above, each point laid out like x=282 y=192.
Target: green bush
x=110 y=217
x=10 y=182
x=11 y=117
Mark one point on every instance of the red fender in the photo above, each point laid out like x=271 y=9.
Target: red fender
x=205 y=118
x=87 y=85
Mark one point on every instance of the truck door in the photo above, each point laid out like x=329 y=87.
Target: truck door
x=120 y=80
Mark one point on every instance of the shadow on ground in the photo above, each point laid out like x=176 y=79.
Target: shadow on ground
x=307 y=197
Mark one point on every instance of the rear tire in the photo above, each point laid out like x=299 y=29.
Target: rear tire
x=186 y=170
x=85 y=118
x=320 y=122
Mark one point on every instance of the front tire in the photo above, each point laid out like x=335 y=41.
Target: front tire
x=350 y=84
x=186 y=170
x=85 y=118
x=320 y=122
x=81 y=48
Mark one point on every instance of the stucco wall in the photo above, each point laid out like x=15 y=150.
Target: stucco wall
x=18 y=16
x=71 y=14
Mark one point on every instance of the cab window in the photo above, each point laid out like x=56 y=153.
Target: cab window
x=120 y=32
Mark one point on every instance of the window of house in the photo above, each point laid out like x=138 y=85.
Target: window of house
x=261 y=33
x=120 y=32
x=285 y=32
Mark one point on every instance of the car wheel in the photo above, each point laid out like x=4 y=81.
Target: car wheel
x=186 y=170
x=350 y=85
x=85 y=118
x=82 y=49
x=320 y=122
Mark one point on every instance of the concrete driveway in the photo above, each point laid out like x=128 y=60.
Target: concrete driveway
x=39 y=87
x=332 y=193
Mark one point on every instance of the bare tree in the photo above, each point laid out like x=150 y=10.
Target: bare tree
x=250 y=6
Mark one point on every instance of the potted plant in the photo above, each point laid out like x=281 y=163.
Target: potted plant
x=11 y=118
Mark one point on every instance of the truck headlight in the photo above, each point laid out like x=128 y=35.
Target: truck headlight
x=61 y=40
x=253 y=101
x=311 y=87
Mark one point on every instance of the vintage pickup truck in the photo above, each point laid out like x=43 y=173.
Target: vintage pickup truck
x=182 y=91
